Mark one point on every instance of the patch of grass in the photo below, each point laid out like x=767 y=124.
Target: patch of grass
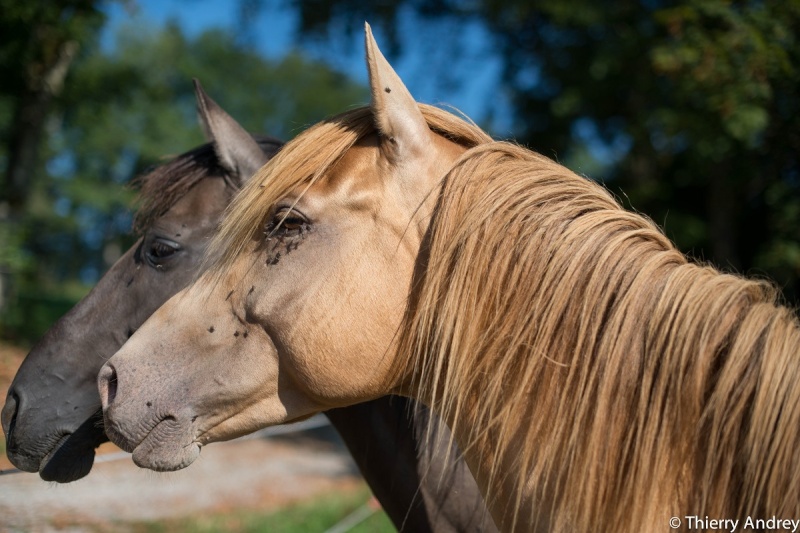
x=318 y=515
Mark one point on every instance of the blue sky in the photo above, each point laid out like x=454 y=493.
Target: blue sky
x=468 y=82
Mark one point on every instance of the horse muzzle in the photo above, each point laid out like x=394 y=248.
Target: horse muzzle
x=159 y=439
x=57 y=454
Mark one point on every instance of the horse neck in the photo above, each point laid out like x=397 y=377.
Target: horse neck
x=703 y=416
x=566 y=340
x=510 y=508
x=682 y=399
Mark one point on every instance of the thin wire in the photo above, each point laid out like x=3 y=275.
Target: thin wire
x=356 y=517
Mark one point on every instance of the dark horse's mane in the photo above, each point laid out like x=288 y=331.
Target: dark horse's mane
x=162 y=186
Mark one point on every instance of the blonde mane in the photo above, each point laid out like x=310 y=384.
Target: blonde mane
x=303 y=161
x=613 y=380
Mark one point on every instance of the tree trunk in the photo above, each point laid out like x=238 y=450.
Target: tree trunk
x=27 y=126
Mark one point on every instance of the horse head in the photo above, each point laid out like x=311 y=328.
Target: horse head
x=318 y=252
x=52 y=415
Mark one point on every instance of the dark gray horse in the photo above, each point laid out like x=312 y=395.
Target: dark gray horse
x=52 y=418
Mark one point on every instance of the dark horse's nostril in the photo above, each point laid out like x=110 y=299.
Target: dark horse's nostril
x=9 y=414
x=107 y=385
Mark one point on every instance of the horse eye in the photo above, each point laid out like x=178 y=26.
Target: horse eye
x=286 y=223
x=159 y=250
x=292 y=223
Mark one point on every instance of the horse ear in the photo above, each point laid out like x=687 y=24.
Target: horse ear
x=236 y=149
x=397 y=115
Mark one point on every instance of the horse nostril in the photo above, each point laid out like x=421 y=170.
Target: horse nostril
x=8 y=417
x=107 y=385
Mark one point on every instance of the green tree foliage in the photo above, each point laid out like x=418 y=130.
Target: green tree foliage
x=40 y=41
x=693 y=107
x=121 y=112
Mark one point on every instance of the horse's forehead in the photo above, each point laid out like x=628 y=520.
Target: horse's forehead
x=365 y=166
x=355 y=178
x=207 y=197
x=360 y=166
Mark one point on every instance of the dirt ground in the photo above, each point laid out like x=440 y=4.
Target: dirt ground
x=254 y=474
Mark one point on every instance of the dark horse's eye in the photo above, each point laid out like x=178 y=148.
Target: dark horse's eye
x=159 y=250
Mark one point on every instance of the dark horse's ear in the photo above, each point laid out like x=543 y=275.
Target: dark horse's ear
x=236 y=149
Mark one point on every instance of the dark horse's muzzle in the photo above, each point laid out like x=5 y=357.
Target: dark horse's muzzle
x=56 y=453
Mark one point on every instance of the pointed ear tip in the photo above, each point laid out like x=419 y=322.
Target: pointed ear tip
x=370 y=44
x=199 y=92
x=368 y=38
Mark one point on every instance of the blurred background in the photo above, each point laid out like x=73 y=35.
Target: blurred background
x=688 y=111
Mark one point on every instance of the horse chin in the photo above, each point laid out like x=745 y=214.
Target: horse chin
x=67 y=461
x=72 y=456
x=163 y=449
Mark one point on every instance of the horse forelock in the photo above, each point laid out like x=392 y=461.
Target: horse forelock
x=161 y=187
x=571 y=339
x=303 y=161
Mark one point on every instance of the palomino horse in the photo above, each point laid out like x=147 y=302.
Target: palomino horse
x=51 y=418
x=595 y=379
